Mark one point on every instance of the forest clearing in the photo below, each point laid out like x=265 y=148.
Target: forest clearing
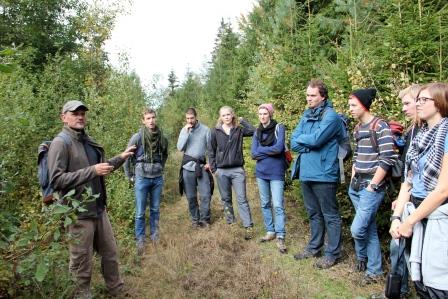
x=53 y=51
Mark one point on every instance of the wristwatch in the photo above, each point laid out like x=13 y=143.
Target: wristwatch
x=374 y=187
x=393 y=217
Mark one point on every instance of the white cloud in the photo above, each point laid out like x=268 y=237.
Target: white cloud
x=171 y=34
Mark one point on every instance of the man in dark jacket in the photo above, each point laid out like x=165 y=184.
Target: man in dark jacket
x=77 y=162
x=316 y=140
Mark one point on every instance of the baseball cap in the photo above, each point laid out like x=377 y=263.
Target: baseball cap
x=73 y=106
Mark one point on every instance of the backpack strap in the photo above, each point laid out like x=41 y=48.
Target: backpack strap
x=65 y=137
x=276 y=134
x=372 y=132
x=372 y=129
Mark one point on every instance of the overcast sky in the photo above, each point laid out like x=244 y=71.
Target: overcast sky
x=161 y=35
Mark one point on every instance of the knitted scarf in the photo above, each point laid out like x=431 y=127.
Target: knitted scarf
x=153 y=144
x=269 y=133
x=431 y=142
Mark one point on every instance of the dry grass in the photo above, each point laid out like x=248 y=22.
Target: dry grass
x=218 y=263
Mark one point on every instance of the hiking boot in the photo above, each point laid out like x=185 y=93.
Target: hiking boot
x=281 y=245
x=325 y=262
x=122 y=292
x=204 y=224
x=268 y=237
x=140 y=248
x=249 y=233
x=195 y=225
x=371 y=279
x=361 y=266
x=305 y=255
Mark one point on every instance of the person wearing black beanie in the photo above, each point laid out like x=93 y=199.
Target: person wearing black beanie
x=371 y=163
x=365 y=96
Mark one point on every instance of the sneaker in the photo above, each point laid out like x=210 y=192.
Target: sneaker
x=305 y=255
x=281 y=245
x=195 y=225
x=249 y=234
x=268 y=237
x=140 y=248
x=230 y=218
x=371 y=279
x=325 y=262
x=361 y=266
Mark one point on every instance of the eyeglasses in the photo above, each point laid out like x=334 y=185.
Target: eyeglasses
x=423 y=100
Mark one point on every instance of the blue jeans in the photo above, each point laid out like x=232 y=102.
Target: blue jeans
x=272 y=189
x=364 y=231
x=320 y=203
x=400 y=267
x=144 y=187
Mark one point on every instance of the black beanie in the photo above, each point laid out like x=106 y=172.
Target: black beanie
x=365 y=96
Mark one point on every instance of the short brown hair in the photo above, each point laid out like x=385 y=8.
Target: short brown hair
x=439 y=92
x=148 y=110
x=323 y=91
x=191 y=110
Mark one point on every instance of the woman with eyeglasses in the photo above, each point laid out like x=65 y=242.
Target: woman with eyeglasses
x=422 y=205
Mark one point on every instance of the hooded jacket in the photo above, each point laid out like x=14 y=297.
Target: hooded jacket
x=315 y=139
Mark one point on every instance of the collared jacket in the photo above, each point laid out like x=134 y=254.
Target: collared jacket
x=69 y=168
x=227 y=150
x=315 y=139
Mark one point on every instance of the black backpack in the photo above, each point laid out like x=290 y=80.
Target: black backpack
x=42 y=168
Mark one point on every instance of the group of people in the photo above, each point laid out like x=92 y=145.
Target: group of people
x=218 y=153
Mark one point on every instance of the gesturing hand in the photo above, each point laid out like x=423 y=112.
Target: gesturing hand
x=103 y=169
x=128 y=152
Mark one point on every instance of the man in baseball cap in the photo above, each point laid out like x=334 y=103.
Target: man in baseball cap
x=73 y=106
x=76 y=162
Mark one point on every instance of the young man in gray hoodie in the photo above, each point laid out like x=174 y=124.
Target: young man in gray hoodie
x=194 y=142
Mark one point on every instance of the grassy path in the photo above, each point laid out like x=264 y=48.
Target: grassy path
x=218 y=263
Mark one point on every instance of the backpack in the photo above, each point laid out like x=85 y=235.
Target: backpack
x=344 y=145
x=42 y=168
x=287 y=153
x=396 y=129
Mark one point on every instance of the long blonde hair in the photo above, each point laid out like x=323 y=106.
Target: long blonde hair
x=235 y=121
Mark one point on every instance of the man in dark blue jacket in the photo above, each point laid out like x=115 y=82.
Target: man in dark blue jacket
x=316 y=140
